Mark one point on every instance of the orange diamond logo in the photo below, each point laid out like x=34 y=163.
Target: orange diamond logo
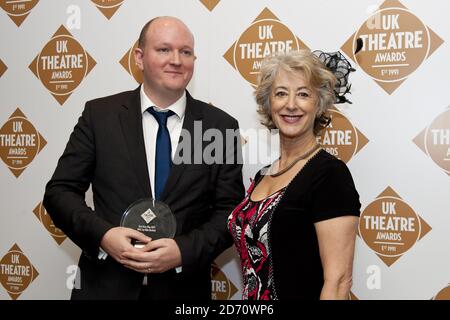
x=210 y=4
x=341 y=138
x=395 y=44
x=18 y=10
x=3 y=68
x=434 y=141
x=222 y=287
x=48 y=224
x=444 y=294
x=62 y=65
x=265 y=36
x=108 y=7
x=20 y=142
x=129 y=64
x=390 y=227
x=16 y=272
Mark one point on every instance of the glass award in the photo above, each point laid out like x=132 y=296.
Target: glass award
x=151 y=217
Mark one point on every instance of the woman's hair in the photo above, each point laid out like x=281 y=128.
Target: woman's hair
x=316 y=74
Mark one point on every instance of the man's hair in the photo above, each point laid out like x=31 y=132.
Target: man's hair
x=142 y=35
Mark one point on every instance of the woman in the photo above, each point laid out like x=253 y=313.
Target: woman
x=295 y=230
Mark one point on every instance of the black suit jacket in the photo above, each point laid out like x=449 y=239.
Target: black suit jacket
x=106 y=148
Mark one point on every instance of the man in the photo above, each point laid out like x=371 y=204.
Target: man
x=115 y=147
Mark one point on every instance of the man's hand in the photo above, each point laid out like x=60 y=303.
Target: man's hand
x=155 y=257
x=117 y=241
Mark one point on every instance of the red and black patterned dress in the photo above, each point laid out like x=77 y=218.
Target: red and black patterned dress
x=249 y=224
x=276 y=237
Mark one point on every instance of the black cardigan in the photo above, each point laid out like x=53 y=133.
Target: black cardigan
x=323 y=189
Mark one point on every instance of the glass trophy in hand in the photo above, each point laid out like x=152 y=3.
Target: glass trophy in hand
x=150 y=217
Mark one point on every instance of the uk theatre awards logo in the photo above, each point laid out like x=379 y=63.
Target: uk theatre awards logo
x=395 y=43
x=20 y=142
x=62 y=65
x=390 y=226
x=265 y=36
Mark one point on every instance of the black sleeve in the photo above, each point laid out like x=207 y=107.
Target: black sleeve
x=333 y=192
x=64 y=197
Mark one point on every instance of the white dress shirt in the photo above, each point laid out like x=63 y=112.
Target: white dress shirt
x=150 y=127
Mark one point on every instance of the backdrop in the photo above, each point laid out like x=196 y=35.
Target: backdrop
x=395 y=137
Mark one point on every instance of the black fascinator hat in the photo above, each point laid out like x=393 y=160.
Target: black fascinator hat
x=341 y=68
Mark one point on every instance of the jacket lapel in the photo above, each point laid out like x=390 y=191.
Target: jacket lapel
x=131 y=124
x=193 y=113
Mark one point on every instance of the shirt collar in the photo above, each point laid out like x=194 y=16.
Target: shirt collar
x=178 y=107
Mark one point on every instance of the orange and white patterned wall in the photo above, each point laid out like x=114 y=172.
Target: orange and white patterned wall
x=395 y=137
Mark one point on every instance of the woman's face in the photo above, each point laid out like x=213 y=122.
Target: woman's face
x=293 y=105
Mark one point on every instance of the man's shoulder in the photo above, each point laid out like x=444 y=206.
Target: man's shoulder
x=211 y=112
x=114 y=99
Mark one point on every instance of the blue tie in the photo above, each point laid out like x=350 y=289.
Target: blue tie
x=163 y=157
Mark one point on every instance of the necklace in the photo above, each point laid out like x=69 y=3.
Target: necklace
x=303 y=156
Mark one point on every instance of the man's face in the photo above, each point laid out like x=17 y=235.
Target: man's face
x=167 y=59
